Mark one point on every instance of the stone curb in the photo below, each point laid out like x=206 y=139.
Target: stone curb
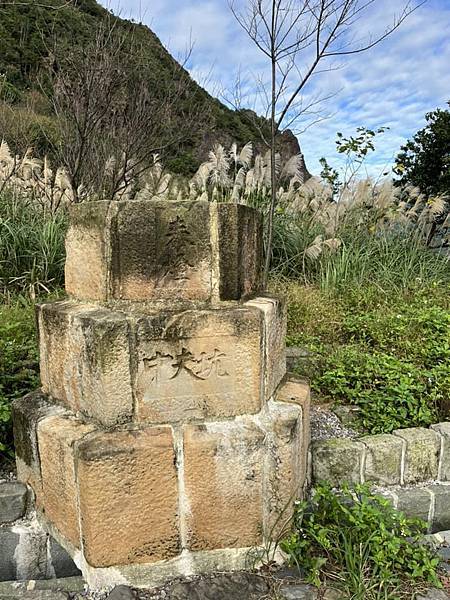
x=429 y=503
x=13 y=501
x=28 y=553
x=406 y=457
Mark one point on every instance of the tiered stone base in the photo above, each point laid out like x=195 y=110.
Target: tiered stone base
x=140 y=504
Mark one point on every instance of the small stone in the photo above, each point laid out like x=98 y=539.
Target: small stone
x=434 y=595
x=298 y=592
x=346 y=413
x=422 y=454
x=122 y=592
x=13 y=501
x=337 y=461
x=226 y=586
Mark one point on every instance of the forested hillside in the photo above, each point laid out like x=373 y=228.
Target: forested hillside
x=29 y=30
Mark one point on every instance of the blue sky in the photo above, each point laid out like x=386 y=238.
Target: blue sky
x=392 y=85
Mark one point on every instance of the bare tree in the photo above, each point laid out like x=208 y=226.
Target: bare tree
x=116 y=110
x=298 y=37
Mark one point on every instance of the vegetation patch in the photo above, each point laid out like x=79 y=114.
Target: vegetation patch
x=360 y=542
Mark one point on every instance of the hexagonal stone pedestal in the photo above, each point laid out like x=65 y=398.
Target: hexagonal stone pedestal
x=166 y=439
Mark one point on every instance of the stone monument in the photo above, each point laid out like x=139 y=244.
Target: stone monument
x=166 y=439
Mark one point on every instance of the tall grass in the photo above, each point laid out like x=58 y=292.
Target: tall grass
x=31 y=246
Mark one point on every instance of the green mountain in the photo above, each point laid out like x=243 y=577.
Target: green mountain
x=27 y=26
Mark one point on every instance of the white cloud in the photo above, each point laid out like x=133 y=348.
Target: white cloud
x=394 y=84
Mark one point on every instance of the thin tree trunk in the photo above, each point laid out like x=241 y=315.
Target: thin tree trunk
x=273 y=171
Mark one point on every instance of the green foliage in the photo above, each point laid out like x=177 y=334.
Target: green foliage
x=390 y=392
x=31 y=246
x=28 y=32
x=424 y=161
x=19 y=372
x=386 y=351
x=358 y=538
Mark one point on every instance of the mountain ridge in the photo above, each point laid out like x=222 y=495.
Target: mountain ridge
x=26 y=26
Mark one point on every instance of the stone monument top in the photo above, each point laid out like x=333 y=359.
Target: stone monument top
x=163 y=250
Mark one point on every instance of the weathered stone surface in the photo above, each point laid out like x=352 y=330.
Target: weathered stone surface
x=285 y=464
x=122 y=592
x=128 y=496
x=240 y=250
x=24 y=594
x=61 y=564
x=27 y=413
x=57 y=437
x=198 y=364
x=337 y=460
x=13 y=501
x=223 y=485
x=441 y=512
x=87 y=248
x=8 y=544
x=226 y=586
x=297 y=391
x=274 y=332
x=414 y=502
x=85 y=360
x=299 y=592
x=189 y=250
x=434 y=594
x=444 y=465
x=422 y=454
x=383 y=459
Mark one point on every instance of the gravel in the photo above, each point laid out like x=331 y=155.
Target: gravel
x=325 y=425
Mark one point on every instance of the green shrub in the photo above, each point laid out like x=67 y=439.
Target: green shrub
x=31 y=246
x=358 y=538
x=390 y=392
x=19 y=372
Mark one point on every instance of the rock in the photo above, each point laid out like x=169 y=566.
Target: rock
x=299 y=592
x=434 y=595
x=62 y=563
x=13 y=501
x=227 y=586
x=441 y=513
x=383 y=459
x=122 y=592
x=414 y=502
x=422 y=454
x=337 y=460
x=8 y=544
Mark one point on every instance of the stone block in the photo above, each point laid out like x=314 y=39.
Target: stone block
x=13 y=501
x=85 y=360
x=61 y=562
x=27 y=412
x=57 y=437
x=9 y=541
x=415 y=502
x=128 y=496
x=443 y=429
x=337 y=460
x=196 y=364
x=294 y=390
x=223 y=485
x=383 y=459
x=441 y=512
x=274 y=331
x=285 y=465
x=422 y=454
x=189 y=250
